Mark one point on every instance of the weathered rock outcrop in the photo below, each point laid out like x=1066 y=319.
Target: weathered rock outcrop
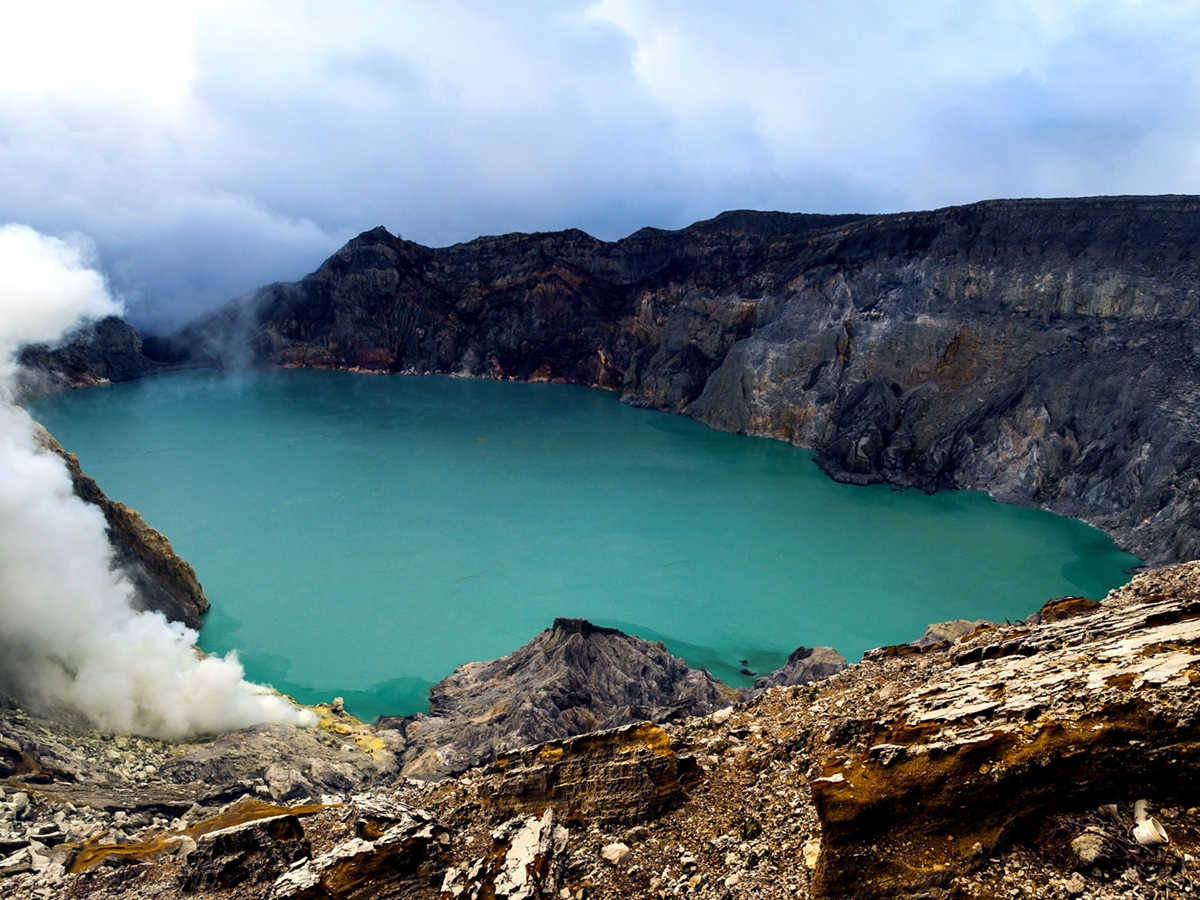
x=1042 y=350
x=622 y=776
x=393 y=854
x=571 y=679
x=164 y=582
x=804 y=665
x=1024 y=722
x=107 y=350
x=1003 y=763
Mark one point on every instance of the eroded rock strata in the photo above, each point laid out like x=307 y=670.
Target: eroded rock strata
x=1042 y=350
x=1002 y=763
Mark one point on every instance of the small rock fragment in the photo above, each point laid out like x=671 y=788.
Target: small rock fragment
x=615 y=854
x=1089 y=847
x=1075 y=885
x=637 y=834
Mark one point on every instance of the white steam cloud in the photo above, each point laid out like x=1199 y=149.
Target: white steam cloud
x=68 y=634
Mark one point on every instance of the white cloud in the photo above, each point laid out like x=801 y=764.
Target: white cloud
x=45 y=288
x=263 y=133
x=122 y=51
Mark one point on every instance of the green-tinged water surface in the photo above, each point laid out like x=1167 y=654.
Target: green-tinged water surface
x=364 y=535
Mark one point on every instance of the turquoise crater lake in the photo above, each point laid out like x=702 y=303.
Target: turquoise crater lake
x=363 y=535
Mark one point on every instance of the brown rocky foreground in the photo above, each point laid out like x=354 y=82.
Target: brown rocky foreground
x=1005 y=763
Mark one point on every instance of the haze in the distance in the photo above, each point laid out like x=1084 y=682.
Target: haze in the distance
x=209 y=147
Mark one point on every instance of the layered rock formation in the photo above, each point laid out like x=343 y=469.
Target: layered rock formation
x=1042 y=350
x=571 y=679
x=1009 y=728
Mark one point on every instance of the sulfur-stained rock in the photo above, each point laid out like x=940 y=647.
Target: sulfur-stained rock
x=1064 y=607
x=398 y=862
x=255 y=851
x=622 y=776
x=1072 y=712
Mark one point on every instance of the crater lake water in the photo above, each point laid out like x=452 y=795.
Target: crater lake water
x=364 y=535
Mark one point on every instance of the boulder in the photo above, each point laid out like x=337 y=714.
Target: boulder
x=255 y=851
x=403 y=858
x=804 y=665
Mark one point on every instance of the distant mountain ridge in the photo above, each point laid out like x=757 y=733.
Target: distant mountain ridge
x=1046 y=351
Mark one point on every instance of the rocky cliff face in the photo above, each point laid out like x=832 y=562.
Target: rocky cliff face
x=107 y=350
x=1043 y=350
x=163 y=581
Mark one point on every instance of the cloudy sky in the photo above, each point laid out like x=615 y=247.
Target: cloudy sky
x=205 y=148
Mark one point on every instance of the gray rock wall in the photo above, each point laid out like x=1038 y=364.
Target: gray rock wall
x=1043 y=350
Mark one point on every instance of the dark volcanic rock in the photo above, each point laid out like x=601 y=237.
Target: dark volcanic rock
x=260 y=850
x=569 y=680
x=107 y=350
x=1046 y=351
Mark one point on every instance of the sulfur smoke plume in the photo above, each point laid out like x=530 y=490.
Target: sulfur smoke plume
x=67 y=632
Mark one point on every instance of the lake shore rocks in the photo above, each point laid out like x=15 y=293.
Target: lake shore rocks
x=163 y=581
x=804 y=665
x=1008 y=762
x=106 y=351
x=573 y=678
